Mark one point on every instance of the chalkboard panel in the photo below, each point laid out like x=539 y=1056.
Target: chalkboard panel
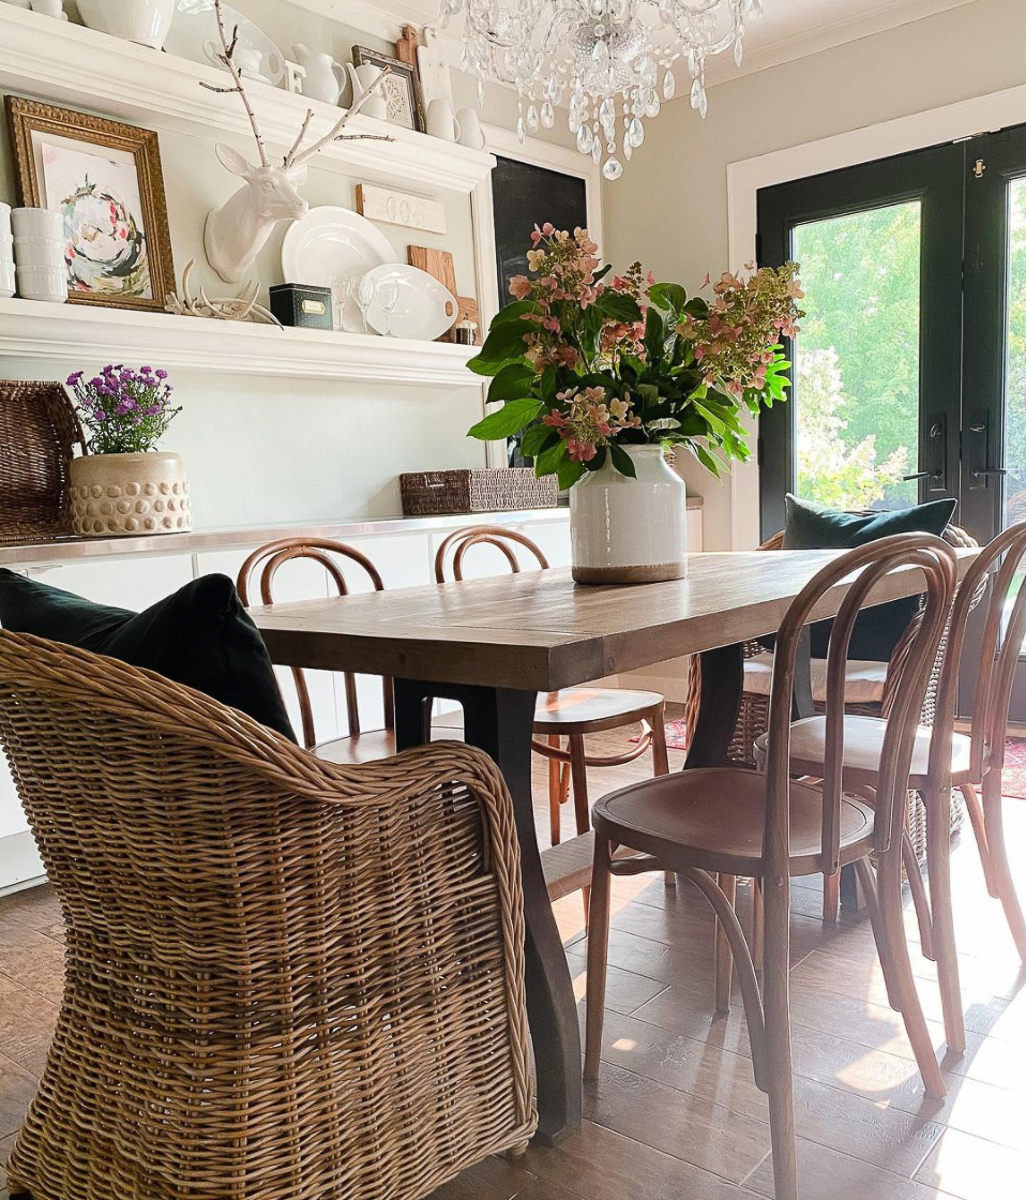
x=525 y=196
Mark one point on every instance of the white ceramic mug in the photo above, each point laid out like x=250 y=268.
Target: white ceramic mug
x=50 y=8
x=37 y=222
x=471 y=134
x=5 y=220
x=43 y=283
x=441 y=121
x=144 y=21
x=7 y=278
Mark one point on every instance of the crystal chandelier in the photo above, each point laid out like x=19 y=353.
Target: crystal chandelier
x=611 y=59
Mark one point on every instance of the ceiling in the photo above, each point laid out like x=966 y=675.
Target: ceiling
x=789 y=29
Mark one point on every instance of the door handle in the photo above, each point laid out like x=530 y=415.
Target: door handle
x=990 y=471
x=979 y=452
x=921 y=475
x=935 y=452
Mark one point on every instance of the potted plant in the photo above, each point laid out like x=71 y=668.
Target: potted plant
x=123 y=485
x=600 y=378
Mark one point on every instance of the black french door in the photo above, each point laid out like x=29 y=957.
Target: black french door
x=909 y=377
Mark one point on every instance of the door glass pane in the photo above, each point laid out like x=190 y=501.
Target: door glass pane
x=1015 y=365
x=856 y=374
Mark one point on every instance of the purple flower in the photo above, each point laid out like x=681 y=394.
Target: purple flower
x=74 y=378
x=161 y=374
x=100 y=415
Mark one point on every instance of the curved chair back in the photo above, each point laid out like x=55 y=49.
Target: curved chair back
x=268 y=560
x=874 y=562
x=458 y=543
x=998 y=567
x=259 y=972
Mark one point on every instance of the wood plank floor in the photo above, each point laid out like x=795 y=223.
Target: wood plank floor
x=676 y=1114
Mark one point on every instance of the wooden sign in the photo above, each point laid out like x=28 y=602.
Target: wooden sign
x=400 y=208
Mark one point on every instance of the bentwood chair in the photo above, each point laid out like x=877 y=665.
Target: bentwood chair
x=772 y=828
x=269 y=993
x=943 y=759
x=868 y=692
x=267 y=560
x=572 y=713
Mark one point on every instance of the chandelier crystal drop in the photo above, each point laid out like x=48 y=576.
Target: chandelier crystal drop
x=609 y=61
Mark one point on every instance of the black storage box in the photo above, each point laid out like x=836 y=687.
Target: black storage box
x=302 y=304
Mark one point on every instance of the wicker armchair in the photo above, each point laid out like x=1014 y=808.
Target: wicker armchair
x=285 y=979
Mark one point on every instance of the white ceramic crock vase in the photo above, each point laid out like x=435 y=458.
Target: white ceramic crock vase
x=144 y=21
x=117 y=495
x=625 y=530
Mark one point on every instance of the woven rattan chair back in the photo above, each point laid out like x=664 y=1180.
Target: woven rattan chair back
x=936 y=561
x=268 y=560
x=459 y=542
x=39 y=431
x=268 y=996
x=997 y=567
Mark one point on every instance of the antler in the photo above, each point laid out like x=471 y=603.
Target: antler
x=228 y=58
x=232 y=308
x=296 y=157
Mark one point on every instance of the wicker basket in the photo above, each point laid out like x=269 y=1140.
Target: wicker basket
x=38 y=431
x=502 y=489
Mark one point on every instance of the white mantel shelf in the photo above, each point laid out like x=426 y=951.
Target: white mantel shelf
x=63 y=333
x=68 y=64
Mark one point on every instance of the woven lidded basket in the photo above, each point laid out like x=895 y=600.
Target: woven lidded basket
x=38 y=432
x=500 y=489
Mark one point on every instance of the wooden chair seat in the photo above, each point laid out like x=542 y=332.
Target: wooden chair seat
x=864 y=679
x=591 y=710
x=360 y=748
x=714 y=819
x=863 y=742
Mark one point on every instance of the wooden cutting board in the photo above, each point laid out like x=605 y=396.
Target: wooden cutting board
x=436 y=262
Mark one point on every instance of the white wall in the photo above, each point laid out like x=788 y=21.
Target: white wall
x=670 y=207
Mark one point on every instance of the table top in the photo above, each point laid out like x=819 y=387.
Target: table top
x=540 y=631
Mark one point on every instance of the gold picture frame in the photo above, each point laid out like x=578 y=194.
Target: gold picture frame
x=57 y=145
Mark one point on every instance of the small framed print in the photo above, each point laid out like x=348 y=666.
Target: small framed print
x=401 y=88
x=105 y=178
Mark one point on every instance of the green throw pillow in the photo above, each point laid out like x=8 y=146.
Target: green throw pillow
x=200 y=636
x=809 y=526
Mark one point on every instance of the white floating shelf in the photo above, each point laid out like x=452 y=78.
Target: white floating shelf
x=68 y=64
x=64 y=333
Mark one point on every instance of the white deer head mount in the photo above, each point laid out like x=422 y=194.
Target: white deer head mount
x=235 y=233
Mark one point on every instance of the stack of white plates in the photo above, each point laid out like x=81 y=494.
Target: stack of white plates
x=333 y=246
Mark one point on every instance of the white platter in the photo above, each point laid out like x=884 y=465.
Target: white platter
x=193 y=35
x=423 y=308
x=332 y=243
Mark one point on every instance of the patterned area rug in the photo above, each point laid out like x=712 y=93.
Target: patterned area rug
x=1015 y=757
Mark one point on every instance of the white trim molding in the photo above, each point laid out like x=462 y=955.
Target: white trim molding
x=60 y=332
x=950 y=123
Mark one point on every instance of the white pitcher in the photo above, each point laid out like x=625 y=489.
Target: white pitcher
x=325 y=79
x=471 y=134
x=362 y=77
x=441 y=120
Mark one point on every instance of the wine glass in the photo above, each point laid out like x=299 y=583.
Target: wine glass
x=387 y=296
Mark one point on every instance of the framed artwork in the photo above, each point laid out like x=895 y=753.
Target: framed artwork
x=105 y=178
x=401 y=88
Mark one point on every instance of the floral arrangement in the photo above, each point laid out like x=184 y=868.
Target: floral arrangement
x=124 y=411
x=586 y=367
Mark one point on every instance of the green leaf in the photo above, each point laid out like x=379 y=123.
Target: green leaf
x=504 y=344
x=536 y=439
x=618 y=306
x=569 y=472
x=599 y=461
x=509 y=419
x=655 y=336
x=668 y=296
x=714 y=422
x=705 y=458
x=513 y=312
x=549 y=385
x=622 y=461
x=513 y=382
x=548 y=461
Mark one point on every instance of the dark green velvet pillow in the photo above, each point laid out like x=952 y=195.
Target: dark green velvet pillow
x=200 y=636
x=809 y=526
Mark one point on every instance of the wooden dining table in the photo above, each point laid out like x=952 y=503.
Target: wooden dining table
x=493 y=644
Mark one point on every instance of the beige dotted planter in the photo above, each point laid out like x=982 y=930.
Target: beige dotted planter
x=116 y=495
